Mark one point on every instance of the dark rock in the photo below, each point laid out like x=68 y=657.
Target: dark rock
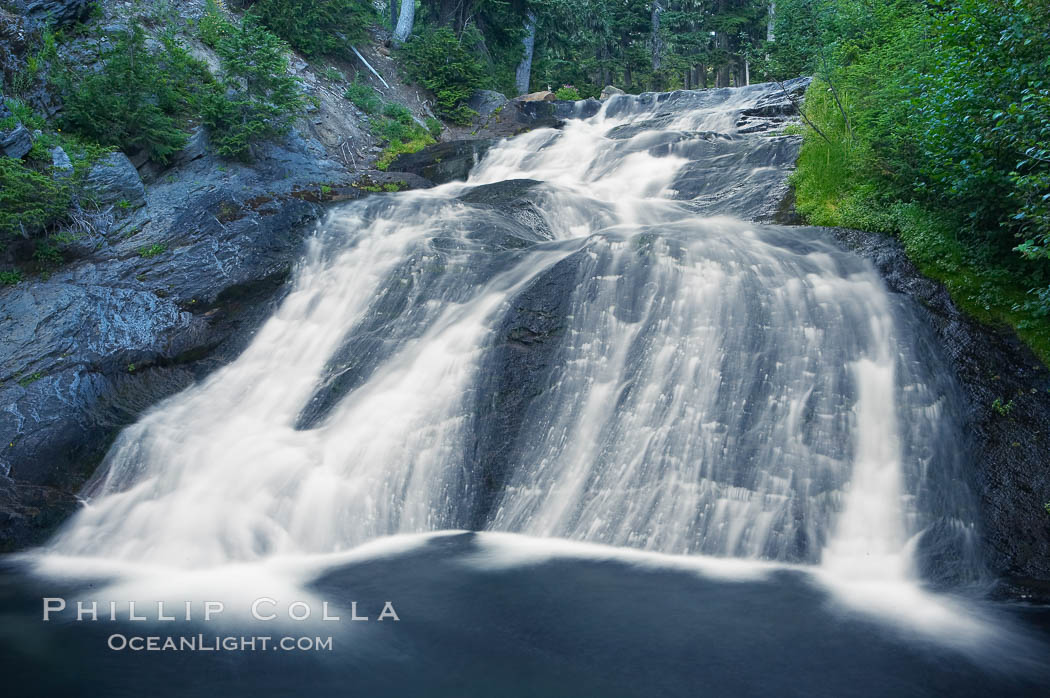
x=58 y=13
x=29 y=513
x=196 y=147
x=15 y=140
x=443 y=162
x=13 y=43
x=113 y=179
x=520 y=199
x=1008 y=470
x=520 y=366
x=485 y=102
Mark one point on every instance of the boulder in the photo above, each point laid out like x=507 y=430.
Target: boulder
x=485 y=102
x=61 y=165
x=114 y=179
x=610 y=91
x=196 y=147
x=15 y=139
x=15 y=142
x=443 y=162
x=58 y=13
x=543 y=96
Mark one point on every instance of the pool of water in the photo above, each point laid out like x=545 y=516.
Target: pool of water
x=504 y=615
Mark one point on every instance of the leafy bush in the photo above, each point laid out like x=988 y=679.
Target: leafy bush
x=10 y=277
x=439 y=61
x=364 y=97
x=257 y=99
x=567 y=92
x=138 y=99
x=317 y=27
x=935 y=127
x=985 y=110
x=434 y=126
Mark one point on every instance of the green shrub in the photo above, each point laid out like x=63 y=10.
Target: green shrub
x=985 y=115
x=399 y=113
x=439 y=61
x=257 y=99
x=139 y=99
x=317 y=27
x=434 y=126
x=567 y=92
x=30 y=201
x=10 y=277
x=213 y=26
x=364 y=97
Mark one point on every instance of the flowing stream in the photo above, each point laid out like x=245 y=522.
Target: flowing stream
x=595 y=338
x=700 y=383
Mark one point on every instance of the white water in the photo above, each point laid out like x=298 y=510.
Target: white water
x=714 y=387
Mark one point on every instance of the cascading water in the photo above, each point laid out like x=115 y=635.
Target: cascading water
x=587 y=340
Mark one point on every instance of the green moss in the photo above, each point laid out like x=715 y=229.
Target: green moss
x=152 y=251
x=29 y=380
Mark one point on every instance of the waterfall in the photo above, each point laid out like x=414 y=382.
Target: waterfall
x=592 y=339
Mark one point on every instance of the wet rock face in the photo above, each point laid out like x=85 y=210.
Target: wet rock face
x=58 y=13
x=28 y=513
x=443 y=162
x=115 y=180
x=1009 y=470
x=486 y=102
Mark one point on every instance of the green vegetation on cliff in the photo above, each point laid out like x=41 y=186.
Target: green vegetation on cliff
x=932 y=123
x=257 y=99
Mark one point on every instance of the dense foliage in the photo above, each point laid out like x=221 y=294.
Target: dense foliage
x=439 y=61
x=635 y=44
x=139 y=97
x=257 y=99
x=30 y=200
x=316 y=27
x=933 y=123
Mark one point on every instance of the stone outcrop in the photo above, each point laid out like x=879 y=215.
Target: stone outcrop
x=58 y=13
x=114 y=180
x=15 y=139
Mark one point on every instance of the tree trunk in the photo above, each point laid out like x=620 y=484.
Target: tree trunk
x=393 y=14
x=723 y=71
x=770 y=36
x=658 y=42
x=405 y=20
x=524 y=72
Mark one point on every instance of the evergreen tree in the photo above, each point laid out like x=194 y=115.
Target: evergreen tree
x=257 y=99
